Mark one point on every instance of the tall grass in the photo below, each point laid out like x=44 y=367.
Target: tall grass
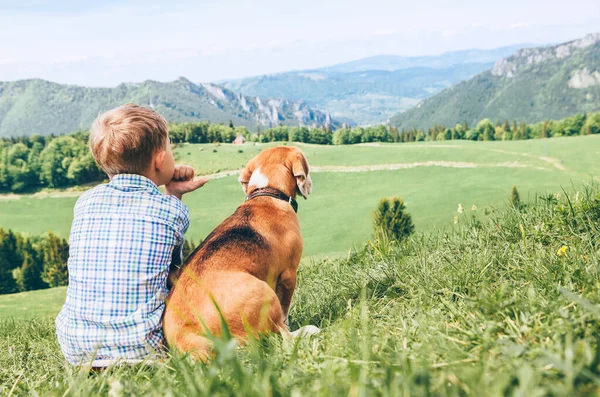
x=507 y=303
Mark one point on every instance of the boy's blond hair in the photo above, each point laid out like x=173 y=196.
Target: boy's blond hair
x=124 y=139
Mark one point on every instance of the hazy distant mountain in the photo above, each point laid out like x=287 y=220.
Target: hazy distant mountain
x=532 y=85
x=445 y=60
x=370 y=90
x=42 y=107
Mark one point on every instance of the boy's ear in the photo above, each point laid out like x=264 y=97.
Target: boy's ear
x=159 y=160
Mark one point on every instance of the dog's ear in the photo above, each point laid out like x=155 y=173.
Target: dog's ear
x=245 y=176
x=300 y=169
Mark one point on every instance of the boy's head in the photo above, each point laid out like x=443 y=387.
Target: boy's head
x=131 y=139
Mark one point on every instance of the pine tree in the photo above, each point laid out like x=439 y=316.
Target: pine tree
x=8 y=261
x=55 y=252
x=10 y=257
x=544 y=130
x=7 y=282
x=32 y=269
x=391 y=219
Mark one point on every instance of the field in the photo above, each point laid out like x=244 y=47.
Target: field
x=432 y=177
x=502 y=304
x=32 y=304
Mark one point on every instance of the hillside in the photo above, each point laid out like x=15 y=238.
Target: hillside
x=41 y=107
x=370 y=90
x=532 y=85
x=503 y=304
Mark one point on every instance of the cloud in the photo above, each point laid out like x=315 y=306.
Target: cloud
x=519 y=25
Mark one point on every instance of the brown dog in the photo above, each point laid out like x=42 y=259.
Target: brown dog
x=247 y=265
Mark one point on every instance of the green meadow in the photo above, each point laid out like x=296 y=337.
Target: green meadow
x=338 y=214
x=504 y=302
x=500 y=304
x=32 y=304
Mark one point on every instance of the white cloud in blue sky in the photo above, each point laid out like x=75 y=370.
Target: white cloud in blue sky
x=107 y=42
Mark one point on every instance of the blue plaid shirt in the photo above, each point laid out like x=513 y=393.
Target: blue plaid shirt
x=122 y=240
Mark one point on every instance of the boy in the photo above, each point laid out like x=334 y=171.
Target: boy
x=123 y=238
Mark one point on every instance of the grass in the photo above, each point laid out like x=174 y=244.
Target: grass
x=502 y=304
x=32 y=304
x=338 y=215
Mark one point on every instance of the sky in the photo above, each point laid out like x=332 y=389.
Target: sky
x=106 y=42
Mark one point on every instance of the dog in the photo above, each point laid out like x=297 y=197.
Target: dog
x=245 y=270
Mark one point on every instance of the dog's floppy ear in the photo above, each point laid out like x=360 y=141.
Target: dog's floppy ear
x=245 y=176
x=300 y=169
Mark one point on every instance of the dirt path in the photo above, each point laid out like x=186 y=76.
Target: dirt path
x=404 y=166
x=552 y=161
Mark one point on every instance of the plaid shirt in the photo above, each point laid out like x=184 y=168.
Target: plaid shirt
x=123 y=237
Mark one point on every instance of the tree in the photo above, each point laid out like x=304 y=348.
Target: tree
x=56 y=254
x=341 y=137
x=544 y=130
x=394 y=134
x=486 y=130
x=472 y=135
x=9 y=260
x=31 y=269
x=515 y=199
x=8 y=284
x=10 y=257
x=391 y=220
x=592 y=124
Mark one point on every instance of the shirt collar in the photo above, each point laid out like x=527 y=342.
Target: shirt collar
x=132 y=181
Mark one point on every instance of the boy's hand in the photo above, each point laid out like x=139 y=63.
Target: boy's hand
x=183 y=181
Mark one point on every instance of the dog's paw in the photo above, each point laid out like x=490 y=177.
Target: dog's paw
x=306 y=331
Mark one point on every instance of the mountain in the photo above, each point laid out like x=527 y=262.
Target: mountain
x=532 y=85
x=42 y=107
x=370 y=90
x=444 y=60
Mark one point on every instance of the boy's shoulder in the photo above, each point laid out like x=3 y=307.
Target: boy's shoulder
x=150 y=202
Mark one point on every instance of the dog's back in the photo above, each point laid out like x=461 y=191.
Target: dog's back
x=246 y=267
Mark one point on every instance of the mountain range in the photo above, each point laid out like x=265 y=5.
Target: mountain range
x=370 y=90
x=42 y=107
x=532 y=85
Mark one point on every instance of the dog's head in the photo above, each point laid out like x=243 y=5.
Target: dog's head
x=283 y=168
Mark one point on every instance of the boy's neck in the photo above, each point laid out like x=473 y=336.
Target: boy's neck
x=154 y=174
x=153 y=178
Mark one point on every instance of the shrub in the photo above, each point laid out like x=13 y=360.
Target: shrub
x=515 y=198
x=391 y=220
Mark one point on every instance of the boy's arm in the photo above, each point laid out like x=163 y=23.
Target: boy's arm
x=183 y=182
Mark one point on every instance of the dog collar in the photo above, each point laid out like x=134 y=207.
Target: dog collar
x=270 y=192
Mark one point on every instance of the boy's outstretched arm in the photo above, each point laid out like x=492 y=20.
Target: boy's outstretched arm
x=183 y=182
